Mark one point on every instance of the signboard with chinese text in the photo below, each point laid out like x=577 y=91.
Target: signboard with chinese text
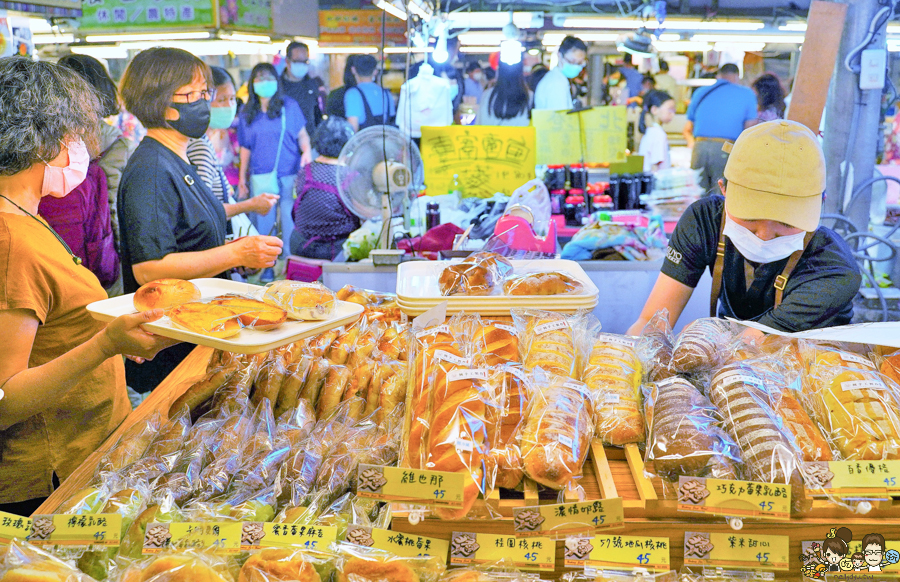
x=13 y=527
x=734 y=498
x=219 y=537
x=853 y=477
x=736 y=549
x=148 y=15
x=102 y=529
x=256 y=535
x=467 y=549
x=438 y=488
x=401 y=544
x=594 y=135
x=359 y=27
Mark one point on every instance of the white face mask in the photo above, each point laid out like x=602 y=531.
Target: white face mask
x=757 y=250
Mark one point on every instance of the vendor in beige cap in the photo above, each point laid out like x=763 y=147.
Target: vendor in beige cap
x=770 y=260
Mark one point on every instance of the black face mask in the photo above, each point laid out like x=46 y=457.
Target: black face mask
x=193 y=118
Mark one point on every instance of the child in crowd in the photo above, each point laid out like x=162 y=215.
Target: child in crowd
x=659 y=109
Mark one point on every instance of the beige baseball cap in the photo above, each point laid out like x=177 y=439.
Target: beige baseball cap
x=776 y=171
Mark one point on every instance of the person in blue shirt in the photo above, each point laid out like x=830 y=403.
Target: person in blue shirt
x=268 y=116
x=367 y=104
x=633 y=77
x=716 y=117
x=474 y=79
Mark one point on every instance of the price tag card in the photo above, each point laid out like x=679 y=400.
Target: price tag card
x=101 y=529
x=853 y=477
x=13 y=527
x=257 y=534
x=525 y=554
x=618 y=552
x=220 y=537
x=406 y=545
x=436 y=488
x=566 y=519
x=736 y=549
x=734 y=498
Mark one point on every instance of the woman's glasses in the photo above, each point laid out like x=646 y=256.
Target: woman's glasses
x=193 y=96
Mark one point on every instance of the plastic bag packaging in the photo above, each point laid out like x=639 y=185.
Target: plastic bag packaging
x=226 y=448
x=358 y=388
x=514 y=399
x=20 y=561
x=160 y=456
x=163 y=510
x=85 y=501
x=289 y=393
x=624 y=576
x=277 y=564
x=332 y=392
x=319 y=345
x=478 y=274
x=344 y=344
x=392 y=396
x=394 y=342
x=654 y=347
x=547 y=340
x=890 y=367
x=543 y=283
x=612 y=372
x=268 y=382
x=699 y=346
x=234 y=395
x=535 y=196
x=684 y=434
x=557 y=433
x=857 y=410
x=315 y=379
x=295 y=425
x=494 y=572
x=499 y=342
x=199 y=396
x=129 y=503
x=131 y=445
x=360 y=564
x=178 y=566
x=302 y=301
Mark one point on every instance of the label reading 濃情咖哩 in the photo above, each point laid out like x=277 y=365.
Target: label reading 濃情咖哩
x=566 y=519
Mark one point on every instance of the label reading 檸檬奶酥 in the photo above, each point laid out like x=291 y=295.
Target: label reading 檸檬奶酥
x=469 y=549
x=402 y=544
x=734 y=498
x=613 y=551
x=222 y=537
x=101 y=529
x=737 y=550
x=566 y=519
x=256 y=535
x=418 y=486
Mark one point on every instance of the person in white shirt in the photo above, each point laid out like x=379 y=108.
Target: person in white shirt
x=659 y=109
x=554 y=92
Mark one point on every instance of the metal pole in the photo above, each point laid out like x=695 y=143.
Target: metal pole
x=851 y=119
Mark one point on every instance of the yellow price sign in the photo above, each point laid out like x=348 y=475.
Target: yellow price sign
x=611 y=551
x=566 y=519
x=734 y=498
x=736 y=549
x=102 y=529
x=526 y=554
x=257 y=534
x=219 y=537
x=853 y=477
x=13 y=527
x=436 y=488
x=401 y=544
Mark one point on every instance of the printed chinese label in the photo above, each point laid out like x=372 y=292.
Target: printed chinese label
x=853 y=477
x=730 y=378
x=410 y=486
x=863 y=385
x=552 y=326
x=734 y=498
x=523 y=553
x=256 y=535
x=463 y=374
x=102 y=529
x=737 y=550
x=617 y=552
x=434 y=331
x=13 y=527
x=220 y=537
x=448 y=357
x=566 y=519
x=506 y=327
x=406 y=545
x=566 y=441
x=611 y=399
x=608 y=338
x=857 y=360
x=579 y=387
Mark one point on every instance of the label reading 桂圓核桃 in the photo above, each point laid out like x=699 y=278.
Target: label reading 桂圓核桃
x=614 y=551
x=13 y=527
x=508 y=328
x=453 y=359
x=418 y=486
x=467 y=374
x=552 y=326
x=737 y=549
x=841 y=478
x=863 y=385
x=566 y=519
x=256 y=535
x=100 y=529
x=221 y=537
x=433 y=331
x=734 y=498
x=401 y=544
x=469 y=549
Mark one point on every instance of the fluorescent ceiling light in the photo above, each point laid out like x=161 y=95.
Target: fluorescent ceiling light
x=669 y=37
x=680 y=46
x=893 y=28
x=39 y=26
x=53 y=38
x=348 y=50
x=402 y=50
x=414 y=7
x=495 y=19
x=697 y=82
x=101 y=52
x=556 y=38
x=479 y=49
x=752 y=38
x=210 y=47
x=246 y=37
x=747 y=47
x=481 y=38
x=149 y=36
x=391 y=9
x=794 y=26
x=669 y=24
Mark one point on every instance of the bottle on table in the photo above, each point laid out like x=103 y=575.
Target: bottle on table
x=432 y=215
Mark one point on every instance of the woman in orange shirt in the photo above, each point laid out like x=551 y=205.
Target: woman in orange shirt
x=62 y=382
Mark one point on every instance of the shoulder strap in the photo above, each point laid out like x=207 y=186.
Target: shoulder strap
x=707 y=94
x=369 y=116
x=782 y=279
x=280 y=139
x=718 y=267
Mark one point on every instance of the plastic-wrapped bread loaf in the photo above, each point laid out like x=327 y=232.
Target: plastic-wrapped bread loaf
x=557 y=431
x=547 y=341
x=499 y=342
x=513 y=406
x=702 y=345
x=427 y=343
x=654 y=347
x=684 y=436
x=613 y=375
x=805 y=432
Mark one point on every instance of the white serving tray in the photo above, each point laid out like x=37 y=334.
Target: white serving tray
x=491 y=310
x=417 y=286
x=248 y=341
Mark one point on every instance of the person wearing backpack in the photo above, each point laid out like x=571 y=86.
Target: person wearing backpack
x=367 y=104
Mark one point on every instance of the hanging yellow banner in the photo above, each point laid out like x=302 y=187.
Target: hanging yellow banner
x=594 y=135
x=486 y=159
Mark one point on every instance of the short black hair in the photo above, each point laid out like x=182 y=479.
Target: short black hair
x=365 y=65
x=729 y=69
x=627 y=59
x=571 y=43
x=294 y=46
x=92 y=71
x=473 y=66
x=331 y=136
x=222 y=76
x=663 y=66
x=649 y=79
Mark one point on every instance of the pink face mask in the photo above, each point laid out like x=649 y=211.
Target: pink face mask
x=58 y=182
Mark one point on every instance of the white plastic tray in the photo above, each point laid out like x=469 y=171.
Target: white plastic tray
x=248 y=341
x=491 y=310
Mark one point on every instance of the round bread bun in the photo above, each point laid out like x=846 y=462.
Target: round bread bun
x=165 y=294
x=253 y=313
x=206 y=319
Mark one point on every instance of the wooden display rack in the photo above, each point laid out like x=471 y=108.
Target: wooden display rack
x=608 y=473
